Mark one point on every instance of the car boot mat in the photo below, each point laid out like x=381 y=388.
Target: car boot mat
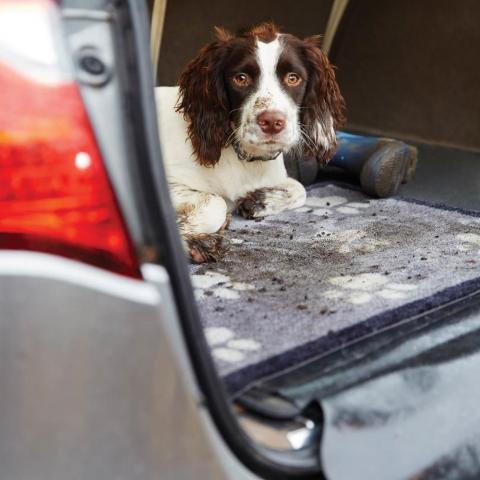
x=308 y=281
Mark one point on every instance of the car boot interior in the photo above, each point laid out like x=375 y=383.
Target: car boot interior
x=408 y=71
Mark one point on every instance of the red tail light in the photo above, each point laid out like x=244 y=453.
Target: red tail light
x=55 y=195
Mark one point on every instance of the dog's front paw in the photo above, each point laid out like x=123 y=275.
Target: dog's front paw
x=253 y=204
x=206 y=247
x=268 y=201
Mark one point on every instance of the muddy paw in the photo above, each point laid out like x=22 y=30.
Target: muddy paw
x=253 y=204
x=207 y=247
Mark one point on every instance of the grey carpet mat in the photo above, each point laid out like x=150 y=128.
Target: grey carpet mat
x=306 y=281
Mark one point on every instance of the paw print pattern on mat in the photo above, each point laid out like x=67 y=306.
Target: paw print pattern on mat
x=219 y=284
x=362 y=288
x=469 y=242
x=324 y=206
x=353 y=240
x=226 y=347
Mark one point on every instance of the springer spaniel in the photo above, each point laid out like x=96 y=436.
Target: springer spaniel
x=241 y=103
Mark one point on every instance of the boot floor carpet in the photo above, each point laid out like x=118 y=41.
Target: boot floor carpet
x=307 y=281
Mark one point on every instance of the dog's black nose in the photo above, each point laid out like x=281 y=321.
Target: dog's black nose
x=271 y=122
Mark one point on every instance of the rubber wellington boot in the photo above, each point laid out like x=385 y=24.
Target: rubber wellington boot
x=381 y=164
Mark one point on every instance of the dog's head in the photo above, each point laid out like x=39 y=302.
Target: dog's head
x=263 y=91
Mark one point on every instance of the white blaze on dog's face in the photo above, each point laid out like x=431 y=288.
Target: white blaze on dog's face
x=269 y=117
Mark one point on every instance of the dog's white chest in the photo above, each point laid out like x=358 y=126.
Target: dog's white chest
x=230 y=178
x=233 y=178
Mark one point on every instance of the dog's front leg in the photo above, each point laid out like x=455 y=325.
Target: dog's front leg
x=268 y=201
x=201 y=219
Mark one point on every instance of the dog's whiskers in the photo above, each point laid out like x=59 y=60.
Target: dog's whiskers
x=307 y=139
x=232 y=135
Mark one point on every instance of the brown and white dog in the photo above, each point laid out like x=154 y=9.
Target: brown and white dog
x=241 y=103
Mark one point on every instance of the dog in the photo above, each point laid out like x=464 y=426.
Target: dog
x=241 y=103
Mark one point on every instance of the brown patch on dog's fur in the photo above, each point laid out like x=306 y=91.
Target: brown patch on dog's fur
x=184 y=210
x=183 y=213
x=206 y=247
x=204 y=103
x=325 y=157
x=252 y=203
x=322 y=97
x=222 y=34
x=226 y=223
x=266 y=32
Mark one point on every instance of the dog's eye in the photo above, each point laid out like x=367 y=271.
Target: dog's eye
x=241 y=80
x=292 y=79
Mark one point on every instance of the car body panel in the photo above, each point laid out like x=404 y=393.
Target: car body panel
x=89 y=383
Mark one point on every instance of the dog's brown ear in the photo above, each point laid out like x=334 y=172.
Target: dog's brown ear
x=203 y=101
x=222 y=34
x=324 y=104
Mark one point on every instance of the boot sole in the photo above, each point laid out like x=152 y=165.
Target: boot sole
x=389 y=166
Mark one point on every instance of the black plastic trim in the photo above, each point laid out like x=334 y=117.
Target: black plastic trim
x=366 y=350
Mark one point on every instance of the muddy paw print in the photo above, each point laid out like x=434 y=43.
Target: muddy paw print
x=219 y=285
x=362 y=288
x=226 y=347
x=352 y=241
x=468 y=242
x=324 y=206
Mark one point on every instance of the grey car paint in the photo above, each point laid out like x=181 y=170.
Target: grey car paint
x=95 y=381
x=420 y=421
